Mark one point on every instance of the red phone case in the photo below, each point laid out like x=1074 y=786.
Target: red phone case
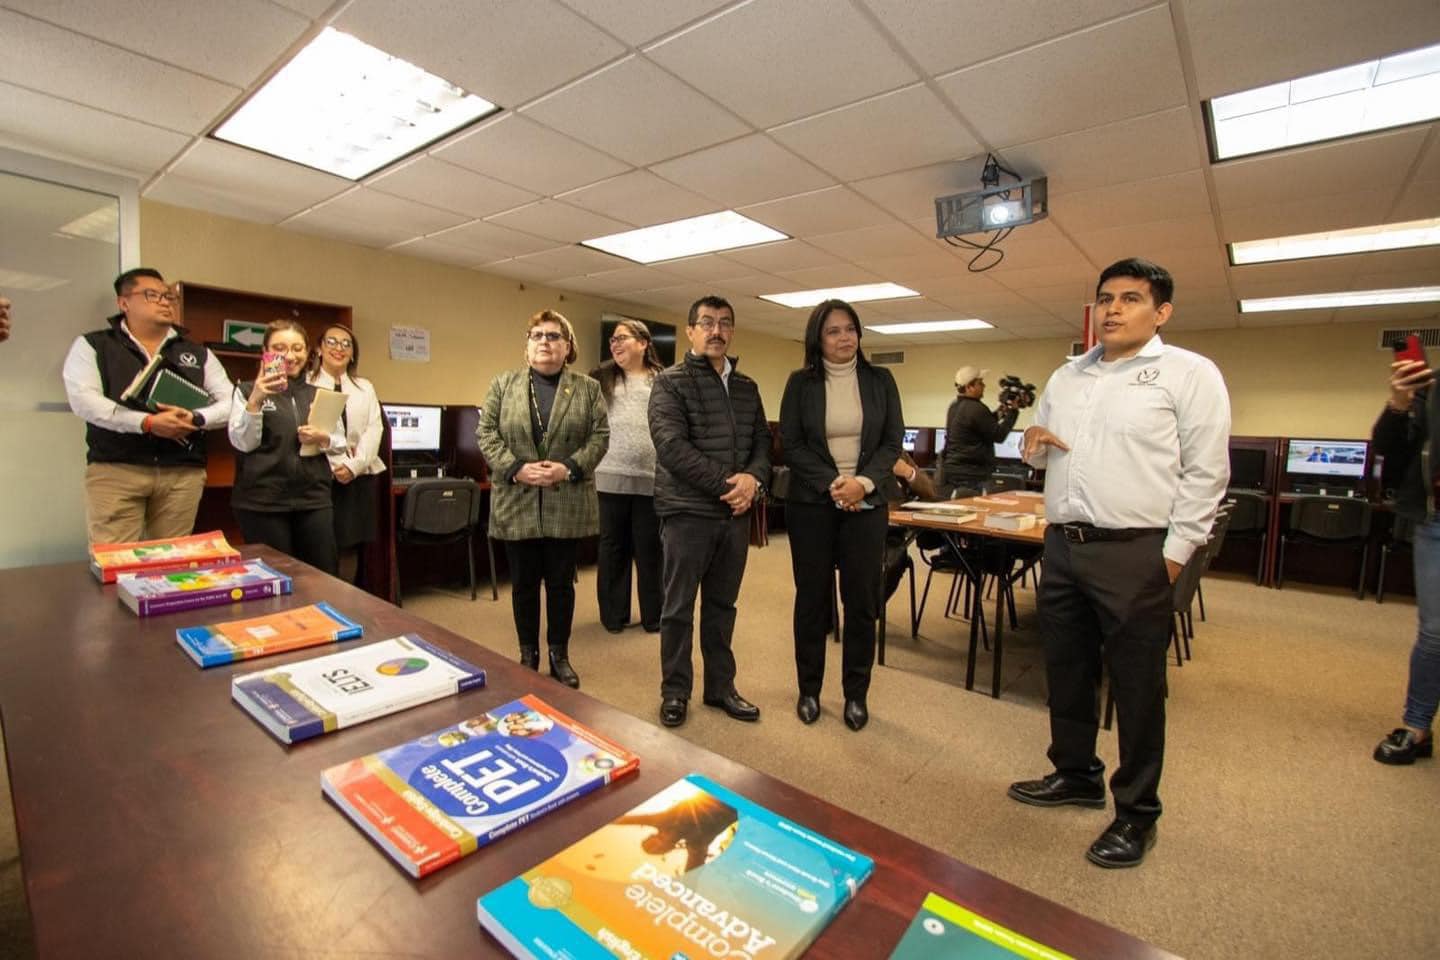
x=1410 y=349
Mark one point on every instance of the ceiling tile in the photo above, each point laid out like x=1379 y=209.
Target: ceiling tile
x=1420 y=200
x=743 y=171
x=637 y=23
x=234 y=181
x=1319 y=170
x=636 y=111
x=1137 y=149
x=365 y=206
x=1291 y=276
x=449 y=187
x=911 y=195
x=559 y=221
x=820 y=211
x=572 y=261
x=753 y=285
x=509 y=51
x=233 y=41
x=782 y=256
x=1069 y=84
x=749 y=58
x=836 y=275
x=521 y=152
x=915 y=268
x=331 y=226
x=1307 y=215
x=1105 y=246
x=1028 y=280
x=493 y=241
x=427 y=248
x=1184 y=320
x=1285 y=318
x=640 y=198
x=707 y=267
x=1239 y=46
x=907 y=128
x=49 y=125
x=945 y=34
x=623 y=281
x=56 y=61
x=871 y=243
x=1141 y=201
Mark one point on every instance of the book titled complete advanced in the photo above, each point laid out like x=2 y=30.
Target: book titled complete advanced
x=152 y=593
x=312 y=697
x=293 y=629
x=696 y=871
x=431 y=801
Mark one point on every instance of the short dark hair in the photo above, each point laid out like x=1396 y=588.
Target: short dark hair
x=126 y=281
x=1162 y=285
x=712 y=301
x=316 y=363
x=815 y=326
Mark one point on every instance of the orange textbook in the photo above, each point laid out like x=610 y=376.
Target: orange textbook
x=293 y=629
x=109 y=560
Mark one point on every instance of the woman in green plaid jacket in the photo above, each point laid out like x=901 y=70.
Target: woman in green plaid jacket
x=543 y=430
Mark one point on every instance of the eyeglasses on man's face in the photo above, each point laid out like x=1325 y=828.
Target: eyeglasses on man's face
x=155 y=296
x=710 y=325
x=335 y=343
x=536 y=336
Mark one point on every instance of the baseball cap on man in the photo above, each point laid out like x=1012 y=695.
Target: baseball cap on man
x=969 y=374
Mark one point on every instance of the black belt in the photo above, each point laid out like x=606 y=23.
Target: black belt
x=1089 y=533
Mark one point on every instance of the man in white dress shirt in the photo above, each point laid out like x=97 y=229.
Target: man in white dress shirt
x=1134 y=438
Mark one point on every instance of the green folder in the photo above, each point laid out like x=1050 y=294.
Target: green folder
x=171 y=388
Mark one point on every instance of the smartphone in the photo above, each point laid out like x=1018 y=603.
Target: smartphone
x=271 y=364
x=1410 y=349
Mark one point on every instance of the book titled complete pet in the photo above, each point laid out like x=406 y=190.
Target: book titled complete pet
x=696 y=871
x=293 y=629
x=153 y=593
x=431 y=801
x=312 y=697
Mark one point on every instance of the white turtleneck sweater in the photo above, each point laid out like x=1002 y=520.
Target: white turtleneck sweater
x=844 y=418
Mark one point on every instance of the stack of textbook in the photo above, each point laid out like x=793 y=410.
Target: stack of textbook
x=431 y=801
x=109 y=560
x=306 y=699
x=293 y=629
x=943 y=930
x=151 y=593
x=695 y=871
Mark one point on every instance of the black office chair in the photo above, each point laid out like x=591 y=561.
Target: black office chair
x=1000 y=482
x=1329 y=521
x=444 y=510
x=1250 y=520
x=1402 y=534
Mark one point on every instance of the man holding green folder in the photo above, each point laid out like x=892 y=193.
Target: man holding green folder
x=145 y=467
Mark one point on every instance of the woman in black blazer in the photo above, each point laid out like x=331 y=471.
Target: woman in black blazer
x=840 y=426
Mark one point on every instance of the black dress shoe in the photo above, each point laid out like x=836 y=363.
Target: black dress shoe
x=1123 y=844
x=856 y=716
x=672 y=711
x=530 y=657
x=1056 y=790
x=561 y=670
x=652 y=628
x=1402 y=748
x=737 y=706
x=610 y=629
x=807 y=709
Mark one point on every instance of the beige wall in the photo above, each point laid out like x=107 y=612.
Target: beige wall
x=1325 y=381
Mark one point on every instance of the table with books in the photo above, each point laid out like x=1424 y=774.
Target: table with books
x=169 y=808
x=1009 y=520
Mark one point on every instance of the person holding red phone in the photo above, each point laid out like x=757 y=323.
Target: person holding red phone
x=1407 y=435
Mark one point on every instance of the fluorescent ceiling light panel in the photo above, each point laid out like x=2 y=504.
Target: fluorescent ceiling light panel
x=102 y=223
x=1376 y=95
x=344 y=107
x=726 y=230
x=1352 y=298
x=929 y=326
x=857 y=294
x=1385 y=236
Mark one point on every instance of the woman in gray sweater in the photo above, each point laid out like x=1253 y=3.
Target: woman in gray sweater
x=625 y=482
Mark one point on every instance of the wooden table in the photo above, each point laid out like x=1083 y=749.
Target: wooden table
x=1009 y=501
x=156 y=818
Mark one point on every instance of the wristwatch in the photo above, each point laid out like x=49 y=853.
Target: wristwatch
x=197 y=419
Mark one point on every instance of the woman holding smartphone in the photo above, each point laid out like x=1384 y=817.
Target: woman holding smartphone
x=356 y=468
x=282 y=494
x=841 y=428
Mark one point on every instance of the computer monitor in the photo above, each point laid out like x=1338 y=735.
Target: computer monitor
x=939 y=440
x=1009 y=448
x=1247 y=468
x=414 y=428
x=907 y=443
x=1326 y=458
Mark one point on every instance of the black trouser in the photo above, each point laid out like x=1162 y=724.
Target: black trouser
x=307 y=535
x=823 y=538
x=551 y=559
x=706 y=554
x=1108 y=599
x=629 y=531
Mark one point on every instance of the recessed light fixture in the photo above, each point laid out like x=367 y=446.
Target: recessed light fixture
x=1352 y=298
x=102 y=223
x=347 y=108
x=1375 y=95
x=1331 y=243
x=929 y=326
x=726 y=230
x=856 y=294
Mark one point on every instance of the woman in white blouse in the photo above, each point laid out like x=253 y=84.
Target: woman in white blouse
x=357 y=466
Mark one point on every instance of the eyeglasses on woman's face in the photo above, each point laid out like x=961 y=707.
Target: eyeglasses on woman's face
x=537 y=336
x=620 y=338
x=295 y=348
x=336 y=343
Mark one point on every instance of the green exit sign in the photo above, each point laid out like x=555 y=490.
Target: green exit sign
x=243 y=336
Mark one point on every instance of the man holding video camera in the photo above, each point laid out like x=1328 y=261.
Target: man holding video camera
x=971 y=432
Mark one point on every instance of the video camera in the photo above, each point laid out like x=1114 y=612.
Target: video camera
x=1015 y=393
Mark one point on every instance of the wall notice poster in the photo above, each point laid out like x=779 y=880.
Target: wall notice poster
x=410 y=343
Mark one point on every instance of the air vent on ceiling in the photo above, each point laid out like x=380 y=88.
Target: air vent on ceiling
x=1429 y=336
x=888 y=358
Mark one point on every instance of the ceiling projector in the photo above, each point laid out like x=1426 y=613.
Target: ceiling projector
x=991 y=208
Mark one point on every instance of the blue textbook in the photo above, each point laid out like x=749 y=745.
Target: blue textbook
x=696 y=871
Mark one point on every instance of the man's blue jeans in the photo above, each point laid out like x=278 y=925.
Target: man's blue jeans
x=1423 y=694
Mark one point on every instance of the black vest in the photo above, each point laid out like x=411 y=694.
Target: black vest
x=274 y=478
x=119 y=360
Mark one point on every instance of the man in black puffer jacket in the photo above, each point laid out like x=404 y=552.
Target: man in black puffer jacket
x=712 y=460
